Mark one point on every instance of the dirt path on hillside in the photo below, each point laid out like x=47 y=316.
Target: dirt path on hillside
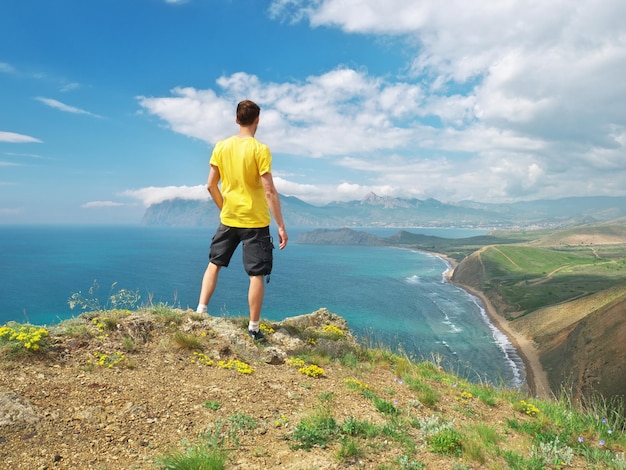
x=506 y=256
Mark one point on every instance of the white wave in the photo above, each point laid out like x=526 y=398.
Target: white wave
x=511 y=355
x=452 y=326
x=415 y=279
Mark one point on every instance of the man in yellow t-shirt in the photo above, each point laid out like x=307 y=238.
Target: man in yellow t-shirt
x=246 y=198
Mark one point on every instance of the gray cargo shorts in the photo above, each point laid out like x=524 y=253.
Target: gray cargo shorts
x=257 y=248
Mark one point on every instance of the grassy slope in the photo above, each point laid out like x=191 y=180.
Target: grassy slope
x=567 y=291
x=370 y=409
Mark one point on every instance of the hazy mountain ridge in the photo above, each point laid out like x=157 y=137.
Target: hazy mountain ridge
x=182 y=213
x=385 y=211
x=344 y=236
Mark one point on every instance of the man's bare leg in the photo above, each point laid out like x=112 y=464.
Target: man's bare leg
x=209 y=281
x=255 y=297
x=255 y=302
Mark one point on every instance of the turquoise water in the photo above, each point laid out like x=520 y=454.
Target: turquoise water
x=389 y=296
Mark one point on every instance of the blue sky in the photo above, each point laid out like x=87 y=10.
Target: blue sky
x=109 y=106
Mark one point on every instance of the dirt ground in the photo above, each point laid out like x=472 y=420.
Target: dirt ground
x=63 y=411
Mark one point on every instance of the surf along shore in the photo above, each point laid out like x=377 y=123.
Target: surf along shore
x=536 y=377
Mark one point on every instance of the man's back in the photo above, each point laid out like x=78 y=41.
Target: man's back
x=241 y=162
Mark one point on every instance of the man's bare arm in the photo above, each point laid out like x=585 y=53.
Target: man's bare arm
x=273 y=201
x=213 y=188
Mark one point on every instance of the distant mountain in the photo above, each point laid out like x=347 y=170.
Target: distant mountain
x=379 y=211
x=343 y=236
x=182 y=213
x=583 y=209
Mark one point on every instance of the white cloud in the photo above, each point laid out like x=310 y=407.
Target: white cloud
x=70 y=87
x=504 y=100
x=311 y=193
x=15 y=138
x=551 y=70
x=98 y=204
x=7 y=68
x=338 y=112
x=154 y=195
x=196 y=113
x=20 y=155
x=321 y=194
x=64 y=107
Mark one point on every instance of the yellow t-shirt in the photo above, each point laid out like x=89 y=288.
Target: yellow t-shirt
x=241 y=162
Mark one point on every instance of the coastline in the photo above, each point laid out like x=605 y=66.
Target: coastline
x=536 y=377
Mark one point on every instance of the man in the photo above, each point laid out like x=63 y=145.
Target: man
x=247 y=197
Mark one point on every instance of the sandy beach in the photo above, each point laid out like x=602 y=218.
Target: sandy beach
x=536 y=377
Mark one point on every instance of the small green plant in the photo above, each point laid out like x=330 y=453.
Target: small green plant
x=129 y=344
x=318 y=429
x=187 y=341
x=227 y=432
x=356 y=428
x=486 y=394
x=427 y=395
x=239 y=424
x=161 y=308
x=212 y=405
x=209 y=454
x=478 y=440
x=407 y=463
x=349 y=360
x=532 y=428
x=516 y=461
x=349 y=450
x=487 y=434
x=385 y=407
x=314 y=431
x=75 y=328
x=446 y=442
x=166 y=314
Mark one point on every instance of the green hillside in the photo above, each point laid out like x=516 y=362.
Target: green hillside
x=529 y=278
x=565 y=290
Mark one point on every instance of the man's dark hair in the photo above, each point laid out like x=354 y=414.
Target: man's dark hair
x=247 y=112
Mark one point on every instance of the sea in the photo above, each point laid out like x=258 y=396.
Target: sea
x=391 y=297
